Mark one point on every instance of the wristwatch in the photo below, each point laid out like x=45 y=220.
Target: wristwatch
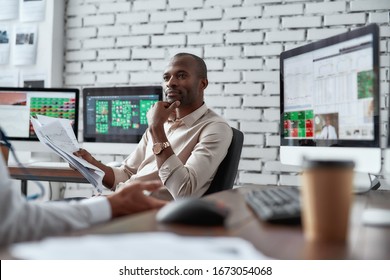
x=159 y=147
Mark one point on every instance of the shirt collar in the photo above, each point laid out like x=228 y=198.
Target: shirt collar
x=190 y=119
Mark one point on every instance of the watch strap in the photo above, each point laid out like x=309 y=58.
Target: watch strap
x=162 y=145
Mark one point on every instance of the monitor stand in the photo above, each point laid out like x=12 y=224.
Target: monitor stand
x=364 y=182
x=376 y=216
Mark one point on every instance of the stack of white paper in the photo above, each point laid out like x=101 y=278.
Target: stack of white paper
x=58 y=135
x=138 y=246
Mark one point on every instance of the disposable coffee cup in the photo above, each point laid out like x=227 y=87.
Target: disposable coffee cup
x=326 y=197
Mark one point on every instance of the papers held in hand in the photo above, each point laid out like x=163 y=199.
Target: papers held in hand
x=58 y=135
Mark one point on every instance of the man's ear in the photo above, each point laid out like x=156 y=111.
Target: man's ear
x=204 y=83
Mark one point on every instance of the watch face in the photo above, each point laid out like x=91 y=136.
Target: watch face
x=157 y=148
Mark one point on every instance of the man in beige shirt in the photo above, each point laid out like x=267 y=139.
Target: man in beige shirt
x=185 y=141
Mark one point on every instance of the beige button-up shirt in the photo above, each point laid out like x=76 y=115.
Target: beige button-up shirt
x=199 y=141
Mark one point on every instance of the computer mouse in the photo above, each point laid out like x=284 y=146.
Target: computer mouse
x=193 y=211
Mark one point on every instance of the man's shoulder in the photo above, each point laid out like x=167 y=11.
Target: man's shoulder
x=212 y=116
x=216 y=123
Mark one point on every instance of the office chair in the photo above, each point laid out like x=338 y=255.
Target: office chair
x=227 y=170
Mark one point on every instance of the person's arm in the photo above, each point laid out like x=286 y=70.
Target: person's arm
x=25 y=221
x=157 y=116
x=193 y=177
x=131 y=199
x=109 y=178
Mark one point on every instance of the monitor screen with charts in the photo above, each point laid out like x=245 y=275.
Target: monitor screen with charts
x=329 y=100
x=17 y=105
x=117 y=114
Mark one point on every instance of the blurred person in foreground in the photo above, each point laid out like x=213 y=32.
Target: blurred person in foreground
x=21 y=220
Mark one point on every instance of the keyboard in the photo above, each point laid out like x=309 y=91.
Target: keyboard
x=279 y=204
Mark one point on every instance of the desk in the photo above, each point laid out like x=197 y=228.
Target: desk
x=277 y=241
x=45 y=174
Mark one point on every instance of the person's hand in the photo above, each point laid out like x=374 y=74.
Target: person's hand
x=160 y=112
x=84 y=154
x=131 y=199
x=109 y=178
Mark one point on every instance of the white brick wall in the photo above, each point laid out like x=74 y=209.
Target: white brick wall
x=168 y=40
x=248 y=24
x=80 y=55
x=100 y=66
x=99 y=43
x=201 y=14
x=254 y=139
x=222 y=101
x=289 y=9
x=355 y=18
x=326 y=7
x=113 y=31
x=106 y=8
x=243 y=12
x=183 y=27
x=130 y=18
x=242 y=88
x=205 y=39
x=115 y=42
x=174 y=4
x=301 y=21
x=261 y=101
x=87 y=32
x=317 y=34
x=167 y=16
x=114 y=54
x=140 y=5
x=134 y=65
x=112 y=79
x=131 y=41
x=244 y=37
x=222 y=51
x=263 y=50
x=364 y=5
x=98 y=20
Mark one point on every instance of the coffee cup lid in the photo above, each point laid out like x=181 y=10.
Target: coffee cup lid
x=314 y=163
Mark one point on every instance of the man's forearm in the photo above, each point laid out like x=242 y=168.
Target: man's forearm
x=159 y=136
x=109 y=177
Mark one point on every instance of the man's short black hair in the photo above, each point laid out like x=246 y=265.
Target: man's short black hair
x=201 y=65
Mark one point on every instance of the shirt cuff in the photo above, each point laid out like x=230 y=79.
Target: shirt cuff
x=99 y=208
x=168 y=167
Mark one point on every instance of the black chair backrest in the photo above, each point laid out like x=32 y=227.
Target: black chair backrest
x=227 y=170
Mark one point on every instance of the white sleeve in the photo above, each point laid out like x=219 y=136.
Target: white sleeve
x=23 y=221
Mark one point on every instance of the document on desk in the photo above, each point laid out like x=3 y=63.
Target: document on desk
x=58 y=135
x=138 y=246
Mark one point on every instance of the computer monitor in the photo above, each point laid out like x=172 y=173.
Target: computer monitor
x=17 y=105
x=115 y=117
x=329 y=100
